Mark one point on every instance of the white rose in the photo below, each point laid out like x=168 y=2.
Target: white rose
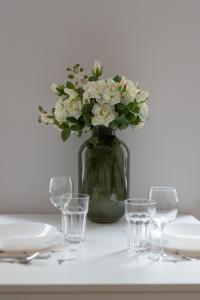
x=45 y=118
x=112 y=93
x=54 y=87
x=130 y=92
x=60 y=112
x=100 y=86
x=91 y=90
x=103 y=114
x=73 y=107
x=103 y=93
x=142 y=96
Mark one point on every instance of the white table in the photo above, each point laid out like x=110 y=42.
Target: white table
x=103 y=269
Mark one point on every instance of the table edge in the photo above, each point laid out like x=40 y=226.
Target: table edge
x=101 y=288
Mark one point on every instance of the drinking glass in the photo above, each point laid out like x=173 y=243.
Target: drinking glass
x=60 y=191
x=166 y=200
x=139 y=213
x=75 y=218
x=75 y=212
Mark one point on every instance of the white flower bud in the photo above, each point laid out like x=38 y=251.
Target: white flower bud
x=97 y=69
x=54 y=87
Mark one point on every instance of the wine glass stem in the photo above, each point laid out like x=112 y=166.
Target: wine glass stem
x=60 y=220
x=162 y=227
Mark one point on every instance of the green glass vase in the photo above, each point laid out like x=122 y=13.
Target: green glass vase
x=103 y=174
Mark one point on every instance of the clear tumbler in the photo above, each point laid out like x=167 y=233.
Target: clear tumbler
x=139 y=213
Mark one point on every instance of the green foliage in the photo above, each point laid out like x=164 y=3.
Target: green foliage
x=60 y=90
x=134 y=107
x=133 y=119
x=92 y=78
x=78 y=126
x=70 y=76
x=122 y=108
x=70 y=85
x=117 y=78
x=80 y=91
x=87 y=108
x=40 y=108
x=65 y=133
x=121 y=122
x=71 y=120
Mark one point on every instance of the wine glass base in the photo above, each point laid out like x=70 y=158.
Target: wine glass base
x=162 y=257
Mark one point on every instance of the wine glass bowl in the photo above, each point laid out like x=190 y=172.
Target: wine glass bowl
x=166 y=199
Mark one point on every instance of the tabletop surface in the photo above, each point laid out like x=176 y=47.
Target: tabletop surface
x=102 y=261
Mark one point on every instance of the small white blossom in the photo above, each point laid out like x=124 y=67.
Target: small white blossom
x=144 y=110
x=45 y=118
x=60 y=113
x=103 y=114
x=142 y=96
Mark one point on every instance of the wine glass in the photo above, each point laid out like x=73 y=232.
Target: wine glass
x=60 y=191
x=166 y=200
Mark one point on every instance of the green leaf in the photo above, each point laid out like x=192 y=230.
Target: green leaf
x=121 y=122
x=65 y=133
x=40 y=108
x=133 y=118
x=117 y=78
x=70 y=76
x=60 y=90
x=80 y=91
x=71 y=120
x=87 y=108
x=122 y=108
x=134 y=107
x=92 y=78
x=77 y=127
x=60 y=125
x=86 y=118
x=70 y=85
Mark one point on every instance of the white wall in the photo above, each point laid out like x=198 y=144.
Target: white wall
x=156 y=42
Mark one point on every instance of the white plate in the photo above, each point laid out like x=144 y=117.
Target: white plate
x=183 y=238
x=26 y=237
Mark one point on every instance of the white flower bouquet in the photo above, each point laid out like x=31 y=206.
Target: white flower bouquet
x=86 y=101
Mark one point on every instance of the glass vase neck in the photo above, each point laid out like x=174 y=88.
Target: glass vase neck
x=103 y=131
